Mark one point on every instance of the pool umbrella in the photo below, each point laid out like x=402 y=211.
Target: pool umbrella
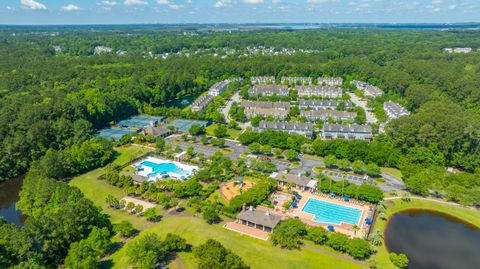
x=294 y=204
x=346 y=198
x=368 y=221
x=298 y=196
x=331 y=228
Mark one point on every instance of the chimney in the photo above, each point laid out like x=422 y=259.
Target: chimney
x=250 y=208
x=243 y=206
x=267 y=213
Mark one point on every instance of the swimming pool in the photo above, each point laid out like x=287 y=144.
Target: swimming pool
x=324 y=211
x=154 y=168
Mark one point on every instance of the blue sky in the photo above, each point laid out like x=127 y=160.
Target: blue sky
x=235 y=11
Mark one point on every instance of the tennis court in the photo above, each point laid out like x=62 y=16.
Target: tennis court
x=184 y=125
x=115 y=133
x=141 y=121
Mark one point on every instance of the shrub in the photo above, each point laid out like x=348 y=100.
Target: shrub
x=399 y=260
x=358 y=248
x=338 y=241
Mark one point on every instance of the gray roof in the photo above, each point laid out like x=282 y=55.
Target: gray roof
x=260 y=217
x=286 y=126
x=396 y=109
x=266 y=112
x=324 y=113
x=296 y=179
x=260 y=104
x=323 y=103
x=347 y=128
x=137 y=178
x=318 y=89
x=202 y=101
x=269 y=89
x=156 y=131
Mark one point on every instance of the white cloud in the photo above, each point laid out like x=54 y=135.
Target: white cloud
x=222 y=3
x=11 y=8
x=452 y=7
x=34 y=5
x=107 y=3
x=169 y=3
x=320 y=1
x=276 y=1
x=253 y=2
x=437 y=2
x=71 y=8
x=135 y=2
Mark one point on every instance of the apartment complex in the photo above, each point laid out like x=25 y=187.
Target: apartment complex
x=262 y=80
x=347 y=131
x=303 y=128
x=394 y=110
x=322 y=104
x=330 y=81
x=296 y=80
x=319 y=91
x=324 y=115
x=269 y=90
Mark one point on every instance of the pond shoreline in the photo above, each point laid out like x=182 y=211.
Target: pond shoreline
x=465 y=214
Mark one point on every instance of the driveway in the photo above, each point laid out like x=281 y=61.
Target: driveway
x=224 y=110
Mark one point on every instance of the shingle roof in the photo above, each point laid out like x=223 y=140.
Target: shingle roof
x=297 y=126
x=260 y=217
x=298 y=180
x=347 y=128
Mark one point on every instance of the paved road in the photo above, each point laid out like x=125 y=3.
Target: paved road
x=392 y=183
x=307 y=165
x=224 y=110
x=363 y=104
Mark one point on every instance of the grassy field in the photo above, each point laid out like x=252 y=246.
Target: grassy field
x=470 y=215
x=256 y=253
x=96 y=190
x=232 y=133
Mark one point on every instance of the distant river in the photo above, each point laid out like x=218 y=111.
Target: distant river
x=9 y=195
x=433 y=240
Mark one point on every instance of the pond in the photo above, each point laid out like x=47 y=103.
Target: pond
x=433 y=240
x=9 y=195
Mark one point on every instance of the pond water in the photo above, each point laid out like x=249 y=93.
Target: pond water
x=9 y=195
x=433 y=240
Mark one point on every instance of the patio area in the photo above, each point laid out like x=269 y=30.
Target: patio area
x=246 y=230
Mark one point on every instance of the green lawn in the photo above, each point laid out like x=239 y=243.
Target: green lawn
x=469 y=215
x=256 y=253
x=232 y=133
x=96 y=190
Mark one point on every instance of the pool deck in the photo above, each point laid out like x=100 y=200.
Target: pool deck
x=307 y=218
x=147 y=170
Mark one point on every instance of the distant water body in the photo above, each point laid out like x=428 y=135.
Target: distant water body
x=9 y=195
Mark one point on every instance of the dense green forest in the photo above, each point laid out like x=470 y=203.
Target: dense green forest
x=56 y=100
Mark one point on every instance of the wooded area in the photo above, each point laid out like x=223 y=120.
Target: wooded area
x=56 y=100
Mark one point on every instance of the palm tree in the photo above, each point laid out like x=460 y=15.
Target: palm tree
x=355 y=229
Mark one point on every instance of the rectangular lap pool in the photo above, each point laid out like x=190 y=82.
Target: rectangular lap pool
x=327 y=212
